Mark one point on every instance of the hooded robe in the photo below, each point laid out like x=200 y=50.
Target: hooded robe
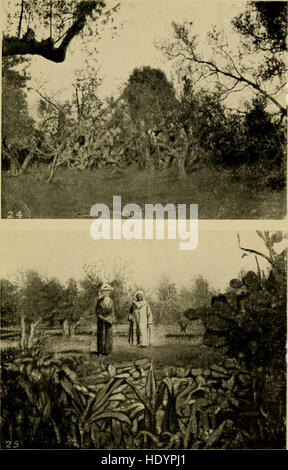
x=141 y=324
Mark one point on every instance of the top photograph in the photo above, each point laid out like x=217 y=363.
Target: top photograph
x=147 y=102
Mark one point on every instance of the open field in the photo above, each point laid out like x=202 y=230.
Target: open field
x=224 y=194
x=166 y=351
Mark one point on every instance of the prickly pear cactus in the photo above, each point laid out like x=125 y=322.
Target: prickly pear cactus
x=248 y=321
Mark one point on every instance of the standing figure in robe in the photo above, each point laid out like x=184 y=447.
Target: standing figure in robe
x=134 y=333
x=141 y=322
x=105 y=314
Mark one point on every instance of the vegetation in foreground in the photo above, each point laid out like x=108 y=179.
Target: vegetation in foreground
x=219 y=193
x=238 y=402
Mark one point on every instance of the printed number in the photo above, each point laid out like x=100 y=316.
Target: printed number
x=11 y=445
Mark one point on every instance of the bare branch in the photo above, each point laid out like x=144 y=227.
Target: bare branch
x=240 y=78
x=20 y=19
x=47 y=99
x=165 y=146
x=230 y=58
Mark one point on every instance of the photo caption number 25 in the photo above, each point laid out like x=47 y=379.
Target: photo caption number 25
x=11 y=444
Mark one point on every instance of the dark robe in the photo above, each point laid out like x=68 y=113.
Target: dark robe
x=105 y=309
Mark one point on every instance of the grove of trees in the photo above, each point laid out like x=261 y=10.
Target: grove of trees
x=154 y=123
x=35 y=300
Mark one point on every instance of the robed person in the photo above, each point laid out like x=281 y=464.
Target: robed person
x=105 y=314
x=141 y=322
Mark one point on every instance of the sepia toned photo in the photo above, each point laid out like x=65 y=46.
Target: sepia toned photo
x=143 y=229
x=128 y=344
x=157 y=102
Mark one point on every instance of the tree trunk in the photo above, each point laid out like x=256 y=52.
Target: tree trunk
x=146 y=157
x=66 y=328
x=23 y=334
x=20 y=19
x=27 y=161
x=181 y=160
x=73 y=327
x=148 y=160
x=32 y=333
x=183 y=326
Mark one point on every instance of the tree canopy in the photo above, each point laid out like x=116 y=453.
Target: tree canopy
x=17 y=125
x=262 y=31
x=150 y=96
x=47 y=28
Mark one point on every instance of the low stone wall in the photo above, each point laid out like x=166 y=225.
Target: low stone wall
x=201 y=400
x=136 y=371
x=222 y=379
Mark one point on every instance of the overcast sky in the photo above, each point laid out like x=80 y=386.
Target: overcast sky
x=62 y=250
x=140 y=24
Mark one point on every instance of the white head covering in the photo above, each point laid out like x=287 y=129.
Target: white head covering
x=106 y=287
x=139 y=292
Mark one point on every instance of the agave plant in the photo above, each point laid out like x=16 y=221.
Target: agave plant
x=159 y=411
x=85 y=412
x=37 y=397
x=52 y=410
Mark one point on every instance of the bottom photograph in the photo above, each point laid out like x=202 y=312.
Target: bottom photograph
x=137 y=345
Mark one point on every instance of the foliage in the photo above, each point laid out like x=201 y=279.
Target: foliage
x=17 y=126
x=69 y=308
x=9 y=297
x=263 y=28
x=251 y=318
x=40 y=297
x=197 y=295
x=150 y=125
x=232 y=68
x=166 y=305
x=150 y=97
x=248 y=323
x=47 y=28
x=49 y=410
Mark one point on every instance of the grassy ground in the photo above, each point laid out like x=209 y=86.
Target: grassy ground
x=165 y=353
x=219 y=194
x=173 y=353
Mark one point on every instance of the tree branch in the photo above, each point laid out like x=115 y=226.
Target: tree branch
x=12 y=45
x=20 y=19
x=240 y=78
x=47 y=99
x=165 y=146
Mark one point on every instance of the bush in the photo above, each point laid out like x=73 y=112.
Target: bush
x=248 y=324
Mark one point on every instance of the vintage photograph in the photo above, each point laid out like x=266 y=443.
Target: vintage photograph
x=137 y=345
x=157 y=101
